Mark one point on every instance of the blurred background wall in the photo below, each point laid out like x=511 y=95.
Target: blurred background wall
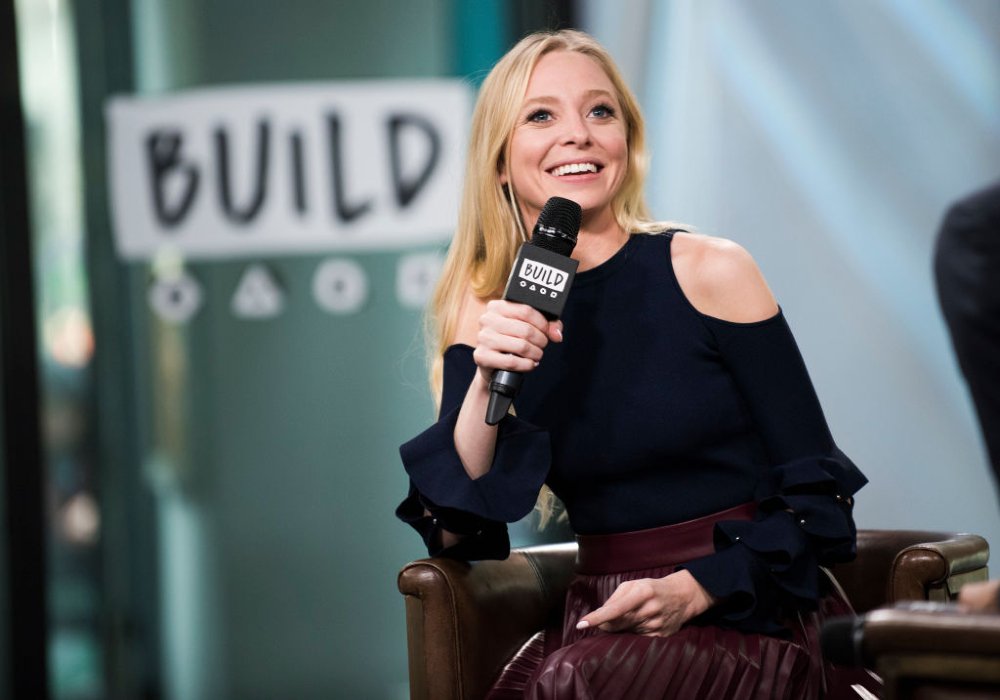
x=829 y=139
x=219 y=493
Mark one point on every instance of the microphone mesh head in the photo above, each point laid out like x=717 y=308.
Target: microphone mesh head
x=557 y=226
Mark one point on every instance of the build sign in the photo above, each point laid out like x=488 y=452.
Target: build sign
x=285 y=169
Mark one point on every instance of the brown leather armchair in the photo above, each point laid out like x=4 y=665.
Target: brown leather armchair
x=925 y=652
x=465 y=621
x=933 y=654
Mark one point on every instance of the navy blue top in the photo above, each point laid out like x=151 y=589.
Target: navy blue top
x=650 y=413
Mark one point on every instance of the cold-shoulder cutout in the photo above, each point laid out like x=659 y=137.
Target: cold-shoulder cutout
x=720 y=279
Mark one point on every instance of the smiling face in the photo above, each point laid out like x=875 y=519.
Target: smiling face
x=569 y=140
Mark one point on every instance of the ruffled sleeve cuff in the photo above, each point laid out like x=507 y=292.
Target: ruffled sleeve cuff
x=765 y=564
x=479 y=538
x=506 y=493
x=737 y=579
x=818 y=495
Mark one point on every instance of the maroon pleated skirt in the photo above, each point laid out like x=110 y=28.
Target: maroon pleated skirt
x=697 y=661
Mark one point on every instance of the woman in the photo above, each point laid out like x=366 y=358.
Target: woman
x=675 y=419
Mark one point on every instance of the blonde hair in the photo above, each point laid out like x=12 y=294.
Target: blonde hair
x=490 y=229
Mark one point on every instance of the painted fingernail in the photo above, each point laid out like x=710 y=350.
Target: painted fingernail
x=582 y=625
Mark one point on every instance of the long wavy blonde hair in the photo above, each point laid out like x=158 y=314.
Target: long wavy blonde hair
x=490 y=229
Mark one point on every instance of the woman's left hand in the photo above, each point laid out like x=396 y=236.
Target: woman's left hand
x=655 y=607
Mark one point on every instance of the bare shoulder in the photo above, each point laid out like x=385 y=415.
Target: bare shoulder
x=467 y=325
x=721 y=279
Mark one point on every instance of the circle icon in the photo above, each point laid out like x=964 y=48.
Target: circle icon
x=175 y=299
x=340 y=286
x=416 y=275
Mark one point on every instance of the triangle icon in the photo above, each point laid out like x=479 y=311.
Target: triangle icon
x=258 y=294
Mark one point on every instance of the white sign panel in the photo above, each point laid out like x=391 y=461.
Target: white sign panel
x=285 y=169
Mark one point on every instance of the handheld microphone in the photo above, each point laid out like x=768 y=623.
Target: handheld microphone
x=841 y=641
x=541 y=278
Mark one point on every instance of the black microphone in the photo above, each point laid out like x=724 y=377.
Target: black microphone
x=841 y=640
x=541 y=278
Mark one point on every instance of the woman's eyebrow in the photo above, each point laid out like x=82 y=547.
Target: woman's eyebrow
x=549 y=99
x=600 y=92
x=540 y=99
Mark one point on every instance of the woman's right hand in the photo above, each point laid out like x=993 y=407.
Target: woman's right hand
x=512 y=336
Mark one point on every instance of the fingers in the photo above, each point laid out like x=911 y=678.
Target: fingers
x=638 y=607
x=499 y=308
x=621 y=610
x=555 y=331
x=980 y=597
x=512 y=336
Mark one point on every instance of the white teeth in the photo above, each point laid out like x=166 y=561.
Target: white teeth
x=573 y=168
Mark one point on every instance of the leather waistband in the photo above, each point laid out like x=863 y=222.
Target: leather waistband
x=655 y=547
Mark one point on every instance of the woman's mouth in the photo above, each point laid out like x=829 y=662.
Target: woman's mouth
x=575 y=169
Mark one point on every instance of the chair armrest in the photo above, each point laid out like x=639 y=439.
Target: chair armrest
x=465 y=621
x=936 y=570
x=934 y=654
x=896 y=565
x=898 y=631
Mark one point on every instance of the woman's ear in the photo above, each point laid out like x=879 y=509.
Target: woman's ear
x=502 y=175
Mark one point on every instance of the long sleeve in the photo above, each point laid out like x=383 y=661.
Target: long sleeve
x=804 y=501
x=476 y=509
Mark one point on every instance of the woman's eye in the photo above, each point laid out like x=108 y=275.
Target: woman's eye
x=603 y=111
x=539 y=115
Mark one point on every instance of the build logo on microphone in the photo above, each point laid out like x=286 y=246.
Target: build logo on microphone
x=541 y=278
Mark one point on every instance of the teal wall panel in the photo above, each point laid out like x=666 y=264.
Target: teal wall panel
x=273 y=443
x=483 y=32
x=292 y=455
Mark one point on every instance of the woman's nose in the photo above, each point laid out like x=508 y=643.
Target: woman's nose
x=576 y=131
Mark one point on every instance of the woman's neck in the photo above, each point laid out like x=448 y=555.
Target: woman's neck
x=598 y=241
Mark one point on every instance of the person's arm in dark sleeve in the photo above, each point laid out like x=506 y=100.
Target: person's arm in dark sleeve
x=444 y=500
x=804 y=501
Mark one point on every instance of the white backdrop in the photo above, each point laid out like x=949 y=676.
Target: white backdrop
x=828 y=139
x=387 y=175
